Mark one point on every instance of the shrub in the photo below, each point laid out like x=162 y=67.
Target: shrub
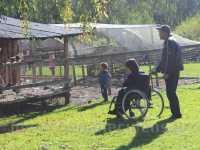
x=190 y=28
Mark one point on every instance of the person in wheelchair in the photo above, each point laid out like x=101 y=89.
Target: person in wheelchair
x=133 y=81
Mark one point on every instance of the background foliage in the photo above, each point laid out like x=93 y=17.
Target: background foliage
x=190 y=28
x=172 y=12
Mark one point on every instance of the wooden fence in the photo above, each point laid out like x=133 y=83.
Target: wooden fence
x=190 y=53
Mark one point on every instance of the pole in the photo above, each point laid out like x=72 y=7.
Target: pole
x=74 y=74
x=66 y=66
x=83 y=73
x=66 y=61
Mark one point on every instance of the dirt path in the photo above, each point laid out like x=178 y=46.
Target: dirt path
x=82 y=94
x=90 y=90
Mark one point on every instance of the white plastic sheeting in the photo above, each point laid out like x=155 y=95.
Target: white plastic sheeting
x=133 y=37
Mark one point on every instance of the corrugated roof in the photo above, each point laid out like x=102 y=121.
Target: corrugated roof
x=41 y=45
x=11 y=28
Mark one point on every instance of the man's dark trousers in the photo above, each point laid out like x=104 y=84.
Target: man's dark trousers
x=171 y=86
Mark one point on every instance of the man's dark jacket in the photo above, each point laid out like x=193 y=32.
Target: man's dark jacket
x=172 y=59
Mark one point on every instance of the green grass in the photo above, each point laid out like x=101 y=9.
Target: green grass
x=88 y=128
x=190 y=70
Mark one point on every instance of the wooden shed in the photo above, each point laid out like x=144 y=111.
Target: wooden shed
x=11 y=33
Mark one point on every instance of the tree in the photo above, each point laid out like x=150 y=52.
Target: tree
x=171 y=12
x=190 y=28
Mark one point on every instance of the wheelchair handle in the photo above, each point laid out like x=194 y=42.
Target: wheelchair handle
x=151 y=79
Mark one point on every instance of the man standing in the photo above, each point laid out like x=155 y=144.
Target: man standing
x=170 y=65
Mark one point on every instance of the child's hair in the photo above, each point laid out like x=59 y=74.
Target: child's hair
x=104 y=65
x=132 y=65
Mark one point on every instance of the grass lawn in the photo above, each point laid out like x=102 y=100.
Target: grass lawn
x=90 y=128
x=190 y=70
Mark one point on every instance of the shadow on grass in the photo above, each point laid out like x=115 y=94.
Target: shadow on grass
x=10 y=110
x=91 y=106
x=16 y=125
x=13 y=128
x=72 y=107
x=28 y=112
x=116 y=124
x=146 y=135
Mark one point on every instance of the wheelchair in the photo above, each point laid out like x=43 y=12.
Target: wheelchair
x=137 y=101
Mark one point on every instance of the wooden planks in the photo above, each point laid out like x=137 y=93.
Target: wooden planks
x=10 y=71
x=36 y=92
x=45 y=83
x=35 y=99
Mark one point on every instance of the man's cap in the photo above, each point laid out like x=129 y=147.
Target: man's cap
x=165 y=28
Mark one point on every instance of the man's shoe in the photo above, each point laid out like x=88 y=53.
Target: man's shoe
x=174 y=117
x=178 y=116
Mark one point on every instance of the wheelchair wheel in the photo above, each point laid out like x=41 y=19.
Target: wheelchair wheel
x=135 y=104
x=112 y=104
x=156 y=105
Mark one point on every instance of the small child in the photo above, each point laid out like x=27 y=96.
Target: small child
x=105 y=81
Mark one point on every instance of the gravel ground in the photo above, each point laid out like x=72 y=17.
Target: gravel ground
x=85 y=91
x=90 y=90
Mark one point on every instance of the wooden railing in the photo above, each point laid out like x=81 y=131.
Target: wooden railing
x=190 y=52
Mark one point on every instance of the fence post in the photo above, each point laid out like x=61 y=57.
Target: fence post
x=60 y=68
x=74 y=74
x=40 y=70
x=83 y=72
x=66 y=65
x=34 y=72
